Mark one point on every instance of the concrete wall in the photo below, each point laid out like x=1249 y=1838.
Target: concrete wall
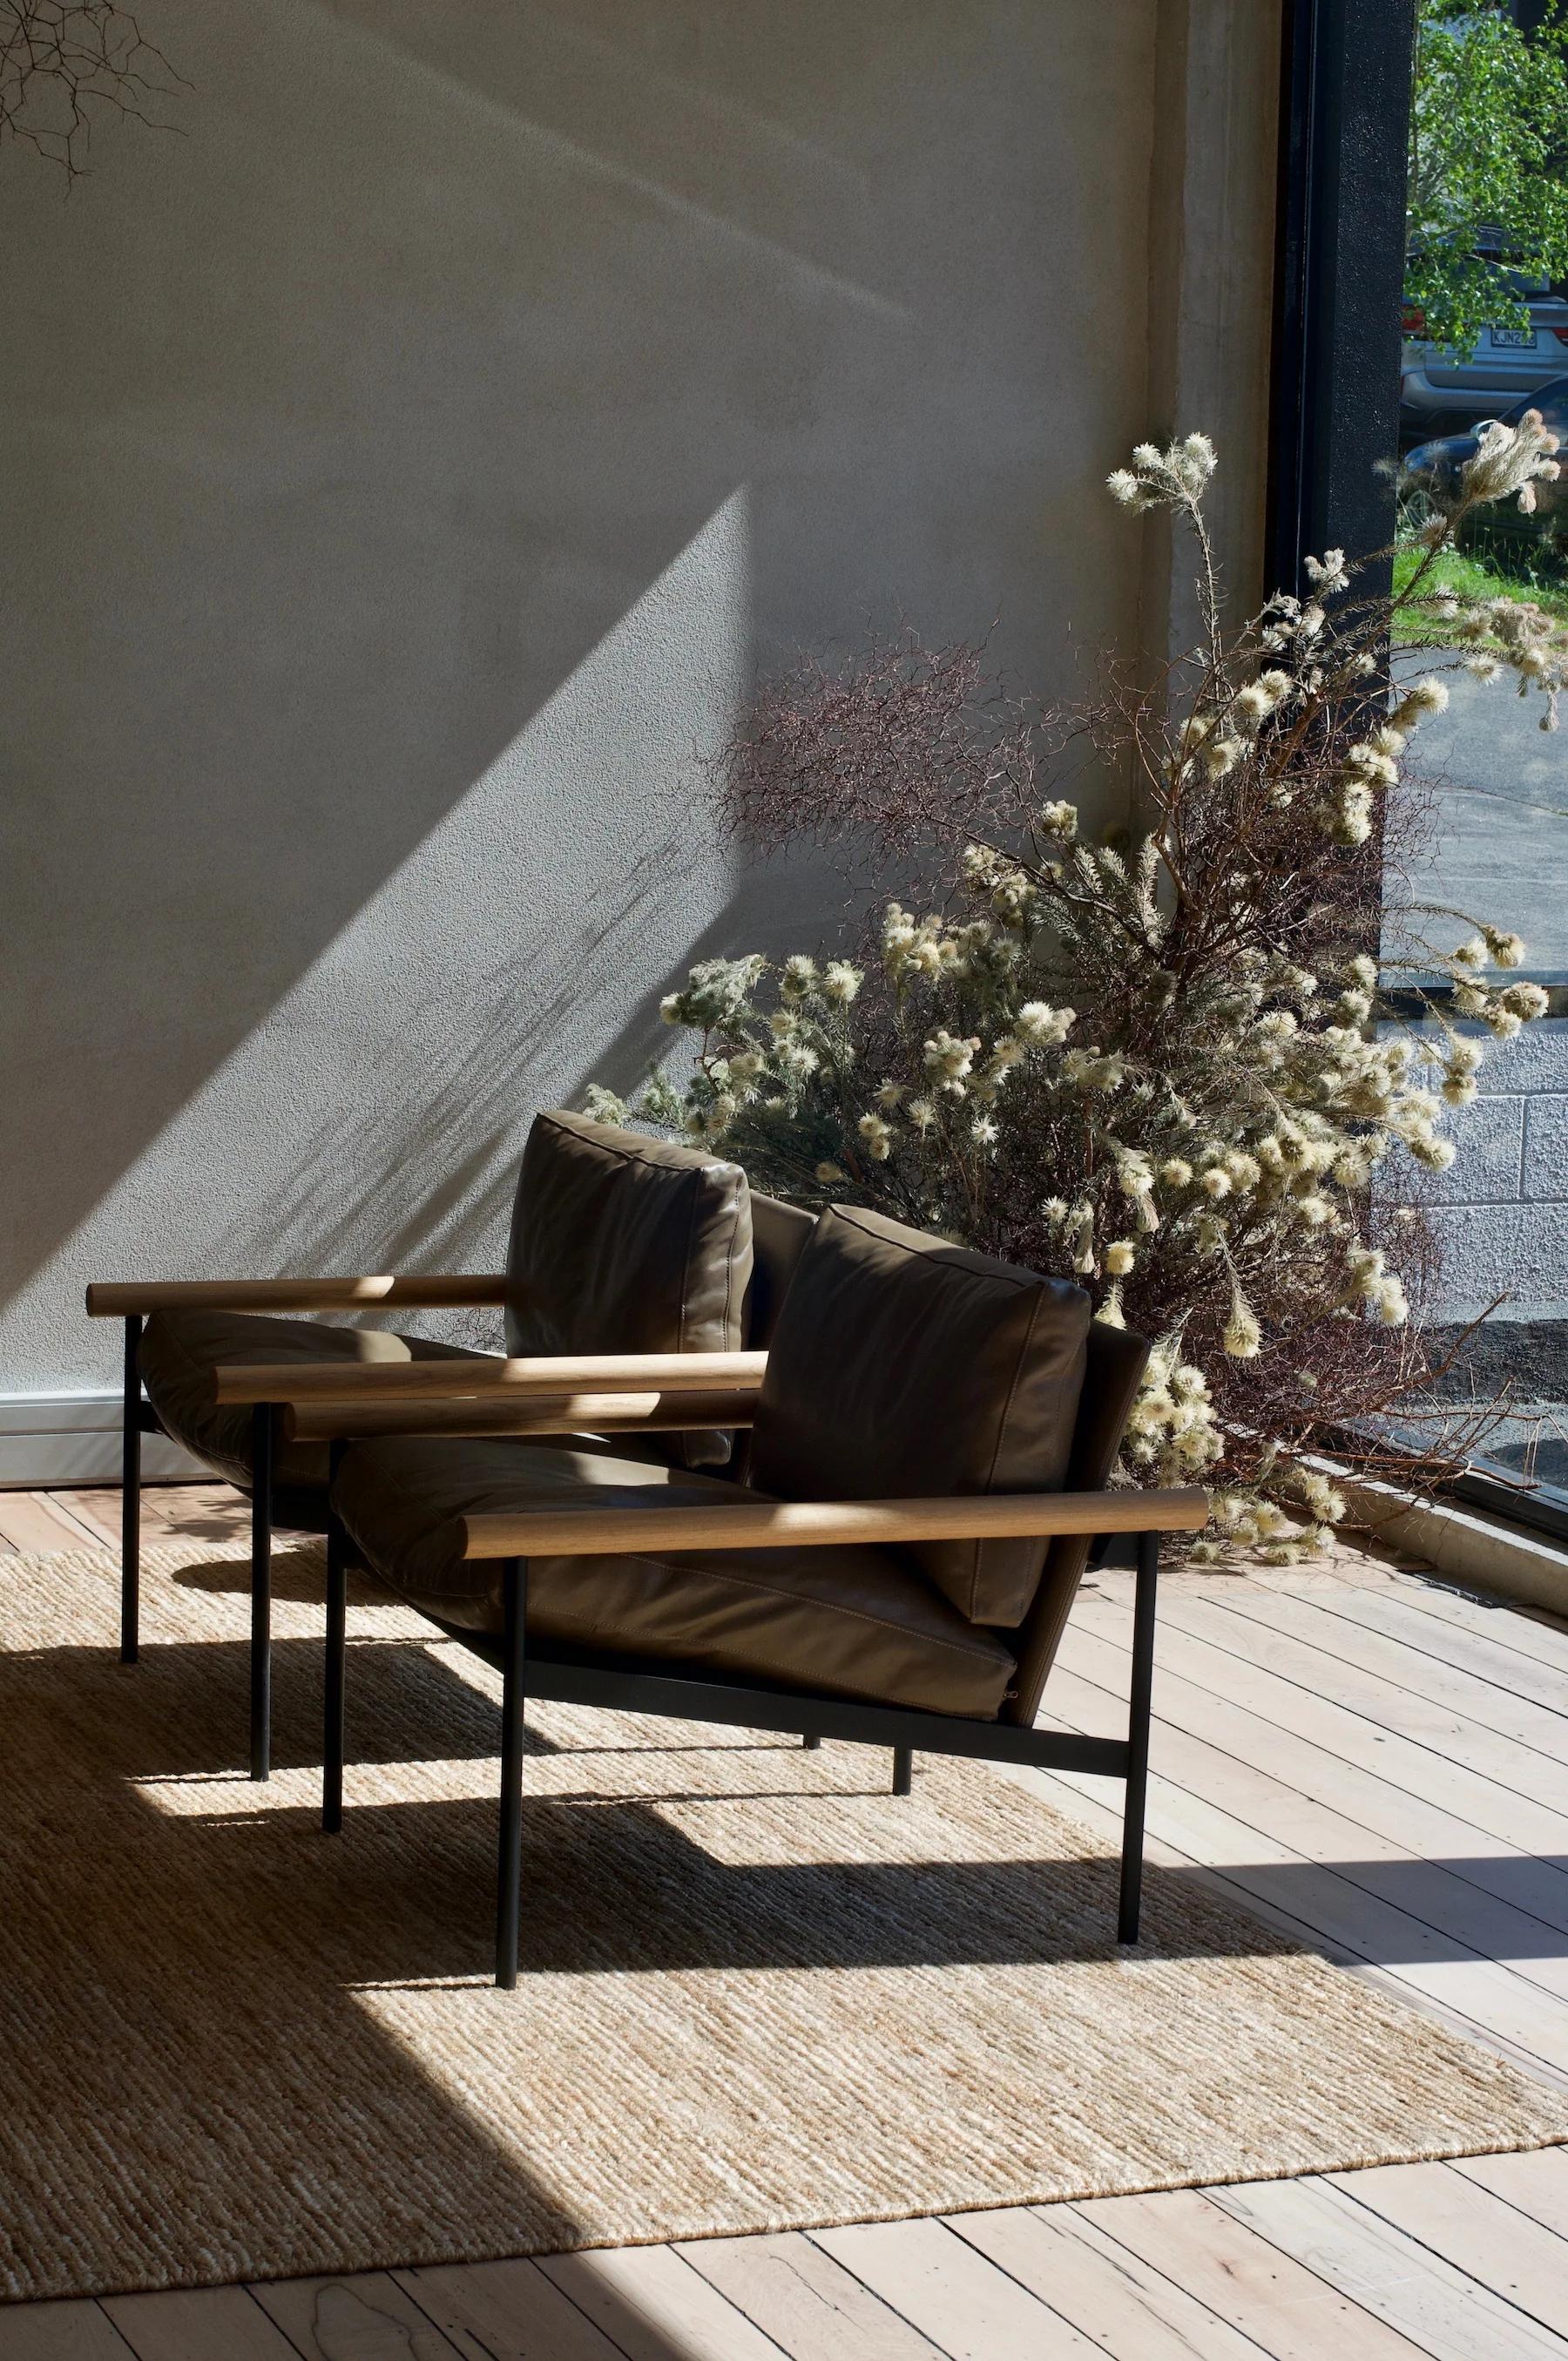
x=406 y=465
x=1500 y=1210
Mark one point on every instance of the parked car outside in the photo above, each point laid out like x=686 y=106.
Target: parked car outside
x=1434 y=467
x=1441 y=387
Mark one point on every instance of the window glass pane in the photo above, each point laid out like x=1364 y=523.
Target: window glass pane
x=1489 y=838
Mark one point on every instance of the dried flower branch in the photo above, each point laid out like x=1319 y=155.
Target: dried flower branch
x=1173 y=1072
x=61 y=59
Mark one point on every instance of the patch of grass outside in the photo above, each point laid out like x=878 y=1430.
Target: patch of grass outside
x=1467 y=575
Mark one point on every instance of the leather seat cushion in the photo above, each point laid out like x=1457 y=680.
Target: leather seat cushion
x=621 y=1244
x=180 y=1350
x=904 y=1366
x=849 y=1622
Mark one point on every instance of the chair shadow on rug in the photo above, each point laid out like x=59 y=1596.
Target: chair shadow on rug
x=614 y=1882
x=415 y=1700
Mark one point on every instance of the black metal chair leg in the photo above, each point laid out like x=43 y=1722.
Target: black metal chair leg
x=509 y=1874
x=336 y=1656
x=808 y=1742
x=903 y=1770
x=261 y=1434
x=1139 y=1739
x=131 y=1501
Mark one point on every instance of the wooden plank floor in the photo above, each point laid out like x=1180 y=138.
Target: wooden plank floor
x=1376 y=1763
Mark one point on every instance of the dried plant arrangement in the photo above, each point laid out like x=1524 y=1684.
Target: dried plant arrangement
x=1172 y=1069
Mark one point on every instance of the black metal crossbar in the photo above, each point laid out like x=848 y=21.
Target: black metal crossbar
x=623 y=1685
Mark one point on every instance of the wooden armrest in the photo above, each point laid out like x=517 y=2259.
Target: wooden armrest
x=487 y=1373
x=793 y=1524
x=117 y=1298
x=660 y=1413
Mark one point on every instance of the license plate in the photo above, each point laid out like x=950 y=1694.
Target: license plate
x=1518 y=340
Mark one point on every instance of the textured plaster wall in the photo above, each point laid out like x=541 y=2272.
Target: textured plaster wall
x=408 y=464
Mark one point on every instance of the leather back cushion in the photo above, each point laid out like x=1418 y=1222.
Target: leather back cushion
x=902 y=1365
x=626 y=1245
x=1116 y=1361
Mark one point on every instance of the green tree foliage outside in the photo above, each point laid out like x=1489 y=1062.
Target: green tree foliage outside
x=1488 y=178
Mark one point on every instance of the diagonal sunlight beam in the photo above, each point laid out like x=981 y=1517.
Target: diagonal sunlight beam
x=619 y=175
x=511 y=945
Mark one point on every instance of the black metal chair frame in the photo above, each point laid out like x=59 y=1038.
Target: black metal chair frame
x=623 y=1685
x=139 y=1418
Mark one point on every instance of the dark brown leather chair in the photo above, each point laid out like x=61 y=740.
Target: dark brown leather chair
x=618 y=1242
x=932 y=1434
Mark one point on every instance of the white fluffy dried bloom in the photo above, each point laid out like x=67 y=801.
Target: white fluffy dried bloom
x=877 y=1134
x=1039 y=1026
x=1174 y=478
x=1350 y=820
x=1429 y=1147
x=1390 y=1303
x=1426 y=696
x=1221 y=756
x=841 y=981
x=948 y=1059
x=1251 y=707
x=1243 y=1337
x=1119 y=1256
x=1327 y=572
x=1510 y=460
x=1368 y=763
x=1326 y=1503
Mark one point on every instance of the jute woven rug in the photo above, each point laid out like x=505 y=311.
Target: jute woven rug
x=759 y=1991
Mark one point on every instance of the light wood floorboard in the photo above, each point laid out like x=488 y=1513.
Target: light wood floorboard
x=1370 y=1761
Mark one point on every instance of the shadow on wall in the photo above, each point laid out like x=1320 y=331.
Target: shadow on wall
x=409 y=463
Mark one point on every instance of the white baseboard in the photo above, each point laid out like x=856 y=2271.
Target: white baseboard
x=48 y=1439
